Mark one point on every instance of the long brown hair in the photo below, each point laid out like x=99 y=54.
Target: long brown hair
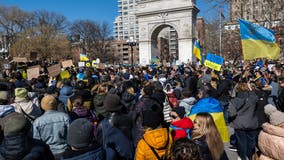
x=209 y=130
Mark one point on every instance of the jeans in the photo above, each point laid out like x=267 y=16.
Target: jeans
x=224 y=105
x=246 y=143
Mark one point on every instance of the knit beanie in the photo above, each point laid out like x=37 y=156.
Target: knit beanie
x=275 y=117
x=14 y=124
x=80 y=133
x=4 y=95
x=152 y=118
x=21 y=92
x=112 y=103
x=48 y=102
x=180 y=111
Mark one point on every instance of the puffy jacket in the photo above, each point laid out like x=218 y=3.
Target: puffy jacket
x=183 y=128
x=159 y=139
x=271 y=142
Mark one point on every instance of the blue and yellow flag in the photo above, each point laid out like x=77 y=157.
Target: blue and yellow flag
x=197 y=50
x=212 y=106
x=258 y=42
x=83 y=57
x=213 y=61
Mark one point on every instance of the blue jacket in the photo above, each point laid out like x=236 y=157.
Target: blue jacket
x=116 y=143
x=51 y=128
x=64 y=93
x=90 y=153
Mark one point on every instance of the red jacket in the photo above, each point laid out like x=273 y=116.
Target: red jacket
x=183 y=124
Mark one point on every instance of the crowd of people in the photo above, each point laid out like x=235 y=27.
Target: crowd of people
x=140 y=113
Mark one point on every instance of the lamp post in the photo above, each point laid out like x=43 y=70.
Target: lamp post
x=131 y=42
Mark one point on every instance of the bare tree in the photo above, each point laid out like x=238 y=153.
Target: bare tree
x=44 y=35
x=13 y=21
x=94 y=37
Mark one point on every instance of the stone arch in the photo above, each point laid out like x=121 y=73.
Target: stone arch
x=153 y=34
x=155 y=14
x=159 y=27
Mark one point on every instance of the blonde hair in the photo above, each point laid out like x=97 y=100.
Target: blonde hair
x=100 y=88
x=242 y=87
x=208 y=129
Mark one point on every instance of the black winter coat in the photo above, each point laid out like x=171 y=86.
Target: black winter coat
x=204 y=150
x=19 y=147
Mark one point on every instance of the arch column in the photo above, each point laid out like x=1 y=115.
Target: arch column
x=144 y=52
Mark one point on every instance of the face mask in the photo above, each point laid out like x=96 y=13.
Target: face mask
x=81 y=112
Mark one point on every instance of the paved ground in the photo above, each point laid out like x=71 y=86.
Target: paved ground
x=232 y=155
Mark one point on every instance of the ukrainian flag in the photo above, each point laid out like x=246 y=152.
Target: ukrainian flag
x=83 y=57
x=212 y=106
x=213 y=61
x=258 y=42
x=197 y=50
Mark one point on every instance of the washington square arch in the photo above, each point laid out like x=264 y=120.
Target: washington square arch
x=155 y=15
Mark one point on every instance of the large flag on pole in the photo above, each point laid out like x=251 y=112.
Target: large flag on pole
x=197 y=50
x=258 y=42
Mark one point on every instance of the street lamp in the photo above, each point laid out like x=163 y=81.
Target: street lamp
x=131 y=42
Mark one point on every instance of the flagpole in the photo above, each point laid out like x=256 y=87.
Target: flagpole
x=220 y=49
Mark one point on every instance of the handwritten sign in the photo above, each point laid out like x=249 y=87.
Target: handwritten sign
x=102 y=66
x=81 y=64
x=67 y=63
x=54 y=70
x=33 y=72
x=6 y=66
x=20 y=59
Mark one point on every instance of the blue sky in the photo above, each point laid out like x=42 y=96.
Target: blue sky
x=97 y=10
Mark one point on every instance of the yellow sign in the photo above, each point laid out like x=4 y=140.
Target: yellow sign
x=212 y=65
x=64 y=75
x=94 y=63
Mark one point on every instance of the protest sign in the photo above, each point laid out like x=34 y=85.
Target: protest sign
x=33 y=72
x=94 y=63
x=102 y=66
x=164 y=62
x=20 y=59
x=54 y=70
x=6 y=66
x=81 y=64
x=67 y=63
x=213 y=61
